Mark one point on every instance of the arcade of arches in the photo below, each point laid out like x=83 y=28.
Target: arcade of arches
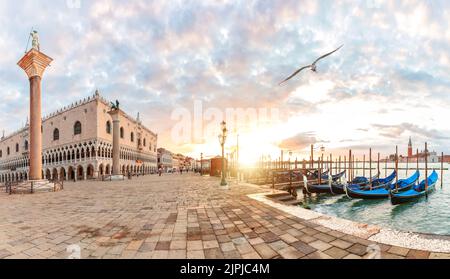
x=81 y=161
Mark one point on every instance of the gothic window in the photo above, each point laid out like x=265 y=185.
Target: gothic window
x=1 y=153
x=7 y=151
x=145 y=142
x=108 y=127
x=26 y=145
x=77 y=128
x=56 y=134
x=121 y=133
x=132 y=137
x=17 y=147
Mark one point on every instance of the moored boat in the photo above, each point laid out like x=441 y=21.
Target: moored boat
x=362 y=183
x=383 y=192
x=380 y=182
x=323 y=188
x=415 y=192
x=335 y=177
x=361 y=180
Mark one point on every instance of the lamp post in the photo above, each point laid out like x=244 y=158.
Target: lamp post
x=222 y=140
x=201 y=164
x=237 y=159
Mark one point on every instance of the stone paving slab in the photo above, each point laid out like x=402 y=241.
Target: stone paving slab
x=170 y=217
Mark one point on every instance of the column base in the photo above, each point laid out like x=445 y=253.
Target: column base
x=114 y=177
x=224 y=185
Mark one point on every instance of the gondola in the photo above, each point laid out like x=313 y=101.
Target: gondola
x=335 y=177
x=383 y=192
x=327 y=186
x=315 y=175
x=380 y=182
x=298 y=174
x=415 y=192
x=362 y=180
x=323 y=188
x=361 y=183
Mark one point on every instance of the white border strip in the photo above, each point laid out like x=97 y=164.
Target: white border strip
x=410 y=240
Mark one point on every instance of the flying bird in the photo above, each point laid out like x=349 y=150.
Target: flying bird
x=312 y=66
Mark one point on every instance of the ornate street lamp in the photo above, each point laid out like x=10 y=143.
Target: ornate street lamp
x=201 y=164
x=222 y=140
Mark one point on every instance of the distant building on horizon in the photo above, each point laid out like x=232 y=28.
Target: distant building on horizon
x=433 y=157
x=165 y=159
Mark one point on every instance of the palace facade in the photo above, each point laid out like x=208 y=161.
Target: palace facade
x=77 y=144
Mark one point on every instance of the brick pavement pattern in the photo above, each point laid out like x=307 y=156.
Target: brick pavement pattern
x=174 y=216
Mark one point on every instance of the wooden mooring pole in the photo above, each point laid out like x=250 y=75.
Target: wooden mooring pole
x=426 y=169
x=364 y=165
x=417 y=158
x=349 y=164
x=378 y=163
x=345 y=168
x=321 y=166
x=442 y=169
x=331 y=165
x=319 y=171
x=407 y=163
x=385 y=166
x=353 y=166
x=339 y=164
x=370 y=168
x=396 y=168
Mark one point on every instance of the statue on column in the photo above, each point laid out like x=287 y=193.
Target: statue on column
x=115 y=106
x=35 y=40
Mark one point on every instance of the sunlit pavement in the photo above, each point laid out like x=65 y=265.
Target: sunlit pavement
x=173 y=216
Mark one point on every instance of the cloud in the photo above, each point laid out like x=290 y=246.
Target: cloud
x=299 y=141
x=156 y=56
x=394 y=131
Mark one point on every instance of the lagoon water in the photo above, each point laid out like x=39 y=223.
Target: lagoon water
x=430 y=215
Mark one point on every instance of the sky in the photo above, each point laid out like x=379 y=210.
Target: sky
x=389 y=82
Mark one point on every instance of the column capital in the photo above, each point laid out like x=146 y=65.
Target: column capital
x=114 y=114
x=34 y=63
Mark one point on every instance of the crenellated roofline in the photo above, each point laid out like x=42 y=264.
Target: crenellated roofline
x=95 y=97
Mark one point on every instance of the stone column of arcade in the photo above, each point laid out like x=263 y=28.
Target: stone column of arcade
x=116 y=174
x=34 y=64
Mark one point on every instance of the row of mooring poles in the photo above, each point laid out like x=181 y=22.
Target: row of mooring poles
x=352 y=166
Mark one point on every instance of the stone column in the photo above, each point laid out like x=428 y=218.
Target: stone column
x=116 y=141
x=34 y=64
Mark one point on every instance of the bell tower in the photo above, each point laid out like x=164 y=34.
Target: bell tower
x=410 y=151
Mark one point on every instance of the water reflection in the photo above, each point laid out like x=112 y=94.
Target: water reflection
x=425 y=215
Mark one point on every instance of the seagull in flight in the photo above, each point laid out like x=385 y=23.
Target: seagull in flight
x=312 y=66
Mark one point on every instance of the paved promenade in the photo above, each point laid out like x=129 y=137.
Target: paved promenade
x=174 y=216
